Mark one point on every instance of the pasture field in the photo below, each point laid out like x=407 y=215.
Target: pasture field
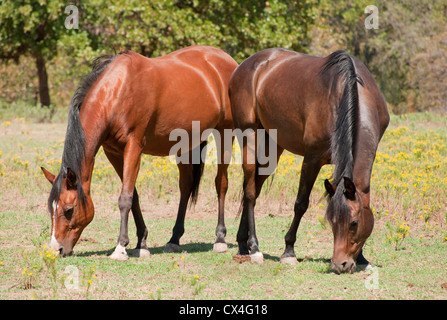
x=408 y=245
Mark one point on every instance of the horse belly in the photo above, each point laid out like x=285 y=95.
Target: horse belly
x=183 y=112
x=288 y=134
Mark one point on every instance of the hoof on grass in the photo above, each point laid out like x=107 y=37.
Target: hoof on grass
x=220 y=247
x=141 y=253
x=119 y=254
x=257 y=257
x=289 y=260
x=171 y=248
x=366 y=267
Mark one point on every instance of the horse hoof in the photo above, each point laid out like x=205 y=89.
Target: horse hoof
x=141 y=253
x=366 y=267
x=171 y=248
x=220 y=247
x=257 y=257
x=119 y=254
x=288 y=260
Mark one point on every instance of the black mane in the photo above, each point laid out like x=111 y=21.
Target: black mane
x=343 y=137
x=74 y=147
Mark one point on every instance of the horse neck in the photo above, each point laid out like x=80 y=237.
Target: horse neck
x=364 y=155
x=93 y=125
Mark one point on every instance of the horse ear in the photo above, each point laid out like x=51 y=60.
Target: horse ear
x=50 y=177
x=71 y=179
x=330 y=188
x=349 y=188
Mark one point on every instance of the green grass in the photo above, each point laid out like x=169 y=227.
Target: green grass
x=409 y=185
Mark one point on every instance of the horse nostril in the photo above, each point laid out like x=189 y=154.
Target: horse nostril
x=348 y=266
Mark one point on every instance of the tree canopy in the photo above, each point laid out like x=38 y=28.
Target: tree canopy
x=405 y=54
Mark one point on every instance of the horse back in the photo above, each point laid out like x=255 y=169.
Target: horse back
x=282 y=90
x=218 y=65
x=147 y=98
x=288 y=91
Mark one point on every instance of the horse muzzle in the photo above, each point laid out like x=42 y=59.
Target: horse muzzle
x=346 y=266
x=60 y=248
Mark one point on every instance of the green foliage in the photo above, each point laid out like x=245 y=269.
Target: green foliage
x=30 y=26
x=397 y=232
x=405 y=54
x=154 y=28
x=241 y=29
x=37 y=29
x=24 y=26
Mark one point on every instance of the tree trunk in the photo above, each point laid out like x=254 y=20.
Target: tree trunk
x=44 y=92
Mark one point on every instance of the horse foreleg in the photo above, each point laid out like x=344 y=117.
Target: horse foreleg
x=141 y=249
x=309 y=173
x=131 y=165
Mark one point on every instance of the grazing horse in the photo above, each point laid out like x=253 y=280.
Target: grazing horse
x=129 y=105
x=328 y=110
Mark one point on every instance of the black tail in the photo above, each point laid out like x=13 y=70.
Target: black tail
x=197 y=171
x=343 y=138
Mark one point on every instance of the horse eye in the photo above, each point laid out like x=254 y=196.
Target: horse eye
x=68 y=213
x=354 y=224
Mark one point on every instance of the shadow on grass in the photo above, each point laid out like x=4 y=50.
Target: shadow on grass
x=323 y=269
x=94 y=253
x=325 y=260
x=189 y=248
x=196 y=247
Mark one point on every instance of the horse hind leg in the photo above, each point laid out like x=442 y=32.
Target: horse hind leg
x=190 y=175
x=185 y=185
x=267 y=157
x=246 y=235
x=141 y=249
x=221 y=184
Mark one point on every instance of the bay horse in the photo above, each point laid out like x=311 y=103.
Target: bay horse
x=328 y=110
x=129 y=104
